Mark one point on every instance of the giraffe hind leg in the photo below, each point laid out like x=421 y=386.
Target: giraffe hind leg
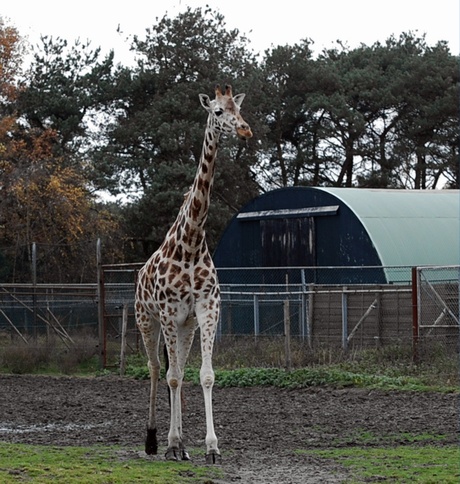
x=151 y=442
x=150 y=331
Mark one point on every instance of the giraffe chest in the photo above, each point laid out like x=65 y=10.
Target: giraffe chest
x=174 y=284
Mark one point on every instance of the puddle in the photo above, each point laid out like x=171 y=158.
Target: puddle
x=6 y=428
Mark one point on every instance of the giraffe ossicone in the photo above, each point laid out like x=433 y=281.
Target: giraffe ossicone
x=177 y=288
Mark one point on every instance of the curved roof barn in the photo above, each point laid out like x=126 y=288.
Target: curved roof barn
x=313 y=226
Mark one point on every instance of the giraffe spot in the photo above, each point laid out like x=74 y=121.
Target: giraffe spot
x=178 y=253
x=162 y=267
x=204 y=273
x=204 y=167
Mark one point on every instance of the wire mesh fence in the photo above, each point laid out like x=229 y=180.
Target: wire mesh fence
x=313 y=305
x=271 y=301
x=438 y=308
x=318 y=307
x=62 y=309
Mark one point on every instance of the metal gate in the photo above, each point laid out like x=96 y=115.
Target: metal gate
x=438 y=305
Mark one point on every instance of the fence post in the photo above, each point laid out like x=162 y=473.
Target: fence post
x=287 y=327
x=34 y=283
x=124 y=329
x=256 y=316
x=415 y=309
x=344 y=320
x=310 y=313
x=100 y=306
x=303 y=307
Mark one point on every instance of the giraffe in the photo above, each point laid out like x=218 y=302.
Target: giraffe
x=177 y=289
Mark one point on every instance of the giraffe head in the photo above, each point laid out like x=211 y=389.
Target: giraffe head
x=224 y=112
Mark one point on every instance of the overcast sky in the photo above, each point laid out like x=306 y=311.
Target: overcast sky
x=264 y=23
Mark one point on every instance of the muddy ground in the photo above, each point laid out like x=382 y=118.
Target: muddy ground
x=260 y=429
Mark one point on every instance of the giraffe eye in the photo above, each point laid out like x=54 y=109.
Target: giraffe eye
x=219 y=112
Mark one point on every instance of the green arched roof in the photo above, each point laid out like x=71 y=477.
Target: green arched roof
x=408 y=227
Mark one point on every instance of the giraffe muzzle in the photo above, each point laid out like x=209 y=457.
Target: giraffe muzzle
x=244 y=133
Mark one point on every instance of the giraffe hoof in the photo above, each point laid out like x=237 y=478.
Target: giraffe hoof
x=151 y=443
x=173 y=453
x=176 y=454
x=213 y=458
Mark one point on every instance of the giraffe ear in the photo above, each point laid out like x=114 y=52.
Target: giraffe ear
x=238 y=99
x=205 y=101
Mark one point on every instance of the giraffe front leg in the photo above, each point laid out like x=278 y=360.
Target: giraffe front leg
x=208 y=326
x=207 y=382
x=185 y=333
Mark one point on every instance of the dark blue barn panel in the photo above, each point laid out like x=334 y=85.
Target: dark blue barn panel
x=310 y=226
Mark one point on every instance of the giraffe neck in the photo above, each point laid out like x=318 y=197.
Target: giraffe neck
x=194 y=212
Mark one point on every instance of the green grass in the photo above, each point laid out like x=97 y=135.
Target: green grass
x=411 y=463
x=245 y=362
x=303 y=377
x=367 y=438
x=104 y=465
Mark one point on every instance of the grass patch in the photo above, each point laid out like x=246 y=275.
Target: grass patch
x=334 y=376
x=249 y=362
x=367 y=438
x=420 y=464
x=50 y=355
x=43 y=464
x=245 y=361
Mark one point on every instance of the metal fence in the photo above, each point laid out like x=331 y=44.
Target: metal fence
x=437 y=316
x=306 y=303
x=420 y=306
x=289 y=301
x=61 y=309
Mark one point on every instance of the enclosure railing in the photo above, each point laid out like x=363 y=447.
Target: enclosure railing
x=436 y=319
x=343 y=307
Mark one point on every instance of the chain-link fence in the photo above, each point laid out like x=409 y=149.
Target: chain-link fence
x=437 y=316
x=305 y=303
x=64 y=309
x=308 y=303
x=48 y=326
x=117 y=288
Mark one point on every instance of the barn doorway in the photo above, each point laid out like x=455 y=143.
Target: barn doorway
x=288 y=242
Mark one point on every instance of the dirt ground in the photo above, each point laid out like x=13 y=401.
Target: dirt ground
x=260 y=429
